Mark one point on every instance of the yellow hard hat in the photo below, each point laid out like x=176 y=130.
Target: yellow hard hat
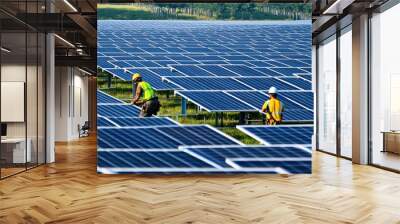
x=136 y=76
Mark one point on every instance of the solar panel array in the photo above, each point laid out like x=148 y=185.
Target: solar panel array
x=128 y=144
x=251 y=101
x=220 y=66
x=281 y=134
x=212 y=56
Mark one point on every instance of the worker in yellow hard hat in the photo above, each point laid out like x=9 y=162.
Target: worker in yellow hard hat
x=145 y=97
x=273 y=108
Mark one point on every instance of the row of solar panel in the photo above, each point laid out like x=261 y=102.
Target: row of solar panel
x=154 y=150
x=239 y=83
x=188 y=58
x=173 y=56
x=212 y=159
x=178 y=80
x=208 y=70
x=256 y=66
x=300 y=109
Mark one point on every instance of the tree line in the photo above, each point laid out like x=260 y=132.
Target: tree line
x=221 y=11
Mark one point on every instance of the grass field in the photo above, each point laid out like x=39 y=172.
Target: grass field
x=171 y=107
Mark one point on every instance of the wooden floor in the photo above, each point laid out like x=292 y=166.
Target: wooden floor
x=70 y=191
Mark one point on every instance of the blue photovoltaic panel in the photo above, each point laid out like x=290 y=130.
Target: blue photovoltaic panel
x=120 y=73
x=304 y=98
x=261 y=64
x=243 y=70
x=160 y=137
x=215 y=101
x=165 y=63
x=266 y=83
x=117 y=110
x=152 y=159
x=191 y=70
x=104 y=122
x=305 y=76
x=164 y=72
x=197 y=135
x=218 y=70
x=153 y=79
x=142 y=121
x=254 y=98
x=268 y=72
x=209 y=83
x=257 y=100
x=105 y=64
x=298 y=166
x=219 y=155
x=119 y=138
x=301 y=83
x=206 y=57
x=292 y=63
x=287 y=71
x=121 y=64
x=298 y=115
x=105 y=98
x=281 y=134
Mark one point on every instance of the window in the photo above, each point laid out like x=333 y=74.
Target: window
x=346 y=95
x=385 y=89
x=327 y=95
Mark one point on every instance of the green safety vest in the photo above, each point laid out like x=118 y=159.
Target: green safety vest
x=147 y=91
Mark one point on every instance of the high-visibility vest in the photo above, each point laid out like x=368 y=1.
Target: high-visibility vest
x=274 y=109
x=147 y=91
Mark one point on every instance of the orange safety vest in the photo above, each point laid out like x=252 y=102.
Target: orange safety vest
x=274 y=109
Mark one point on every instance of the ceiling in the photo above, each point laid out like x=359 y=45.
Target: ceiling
x=73 y=21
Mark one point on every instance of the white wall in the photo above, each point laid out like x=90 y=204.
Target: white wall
x=13 y=73
x=71 y=102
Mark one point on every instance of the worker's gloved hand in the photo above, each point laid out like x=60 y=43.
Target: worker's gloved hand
x=138 y=103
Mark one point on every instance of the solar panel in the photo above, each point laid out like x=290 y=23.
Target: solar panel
x=104 y=98
x=298 y=115
x=305 y=76
x=105 y=64
x=218 y=70
x=292 y=62
x=164 y=72
x=118 y=110
x=257 y=99
x=149 y=159
x=191 y=70
x=170 y=137
x=280 y=134
x=226 y=156
x=292 y=165
x=243 y=70
x=142 y=122
x=153 y=79
x=104 y=122
x=287 y=71
x=305 y=98
x=207 y=159
x=207 y=83
x=120 y=73
x=300 y=83
x=217 y=101
x=266 y=83
x=268 y=72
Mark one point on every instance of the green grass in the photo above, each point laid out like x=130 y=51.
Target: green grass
x=171 y=107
